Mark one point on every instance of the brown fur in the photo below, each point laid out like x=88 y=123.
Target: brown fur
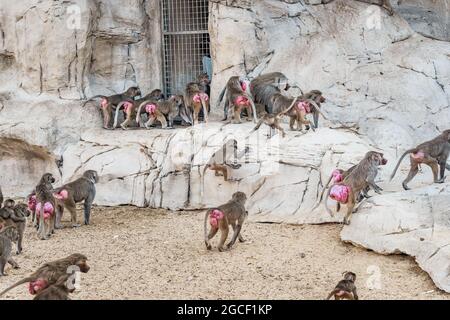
x=233 y=92
x=113 y=102
x=193 y=89
x=169 y=109
x=8 y=236
x=43 y=195
x=234 y=216
x=80 y=190
x=345 y=289
x=130 y=114
x=51 y=272
x=362 y=176
x=436 y=153
x=57 y=291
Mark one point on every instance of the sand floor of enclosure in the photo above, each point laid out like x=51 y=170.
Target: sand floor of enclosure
x=155 y=254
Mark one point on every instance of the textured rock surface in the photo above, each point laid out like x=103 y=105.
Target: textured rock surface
x=415 y=223
x=384 y=76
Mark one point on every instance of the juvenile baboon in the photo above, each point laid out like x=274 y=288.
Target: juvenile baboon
x=160 y=110
x=263 y=87
x=45 y=206
x=56 y=291
x=131 y=106
x=318 y=98
x=363 y=175
x=232 y=214
x=7 y=209
x=51 y=272
x=18 y=218
x=345 y=289
x=82 y=189
x=274 y=120
x=433 y=153
x=194 y=100
x=8 y=235
x=223 y=160
x=204 y=83
x=109 y=103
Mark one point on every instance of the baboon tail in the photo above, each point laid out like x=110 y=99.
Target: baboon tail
x=205 y=110
x=116 y=117
x=222 y=94
x=400 y=161
x=138 y=115
x=326 y=202
x=28 y=279
x=206 y=225
x=321 y=195
x=1 y=197
x=92 y=99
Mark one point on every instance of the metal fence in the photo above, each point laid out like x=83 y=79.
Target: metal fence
x=185 y=42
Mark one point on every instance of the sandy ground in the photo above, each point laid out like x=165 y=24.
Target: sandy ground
x=155 y=254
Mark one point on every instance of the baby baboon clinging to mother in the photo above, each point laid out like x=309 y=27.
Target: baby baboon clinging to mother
x=82 y=189
x=345 y=289
x=232 y=214
x=363 y=175
x=45 y=206
x=109 y=103
x=8 y=235
x=51 y=272
x=433 y=153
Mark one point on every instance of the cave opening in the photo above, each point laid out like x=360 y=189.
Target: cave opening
x=186 y=43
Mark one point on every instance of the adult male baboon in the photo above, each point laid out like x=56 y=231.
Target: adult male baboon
x=263 y=87
x=433 y=153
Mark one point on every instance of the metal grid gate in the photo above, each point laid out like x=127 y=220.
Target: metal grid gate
x=185 y=42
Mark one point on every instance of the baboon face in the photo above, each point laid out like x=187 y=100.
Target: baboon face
x=177 y=99
x=240 y=197
x=133 y=92
x=350 y=276
x=447 y=134
x=203 y=79
x=9 y=203
x=377 y=158
x=80 y=260
x=157 y=94
x=22 y=209
x=91 y=175
x=48 y=178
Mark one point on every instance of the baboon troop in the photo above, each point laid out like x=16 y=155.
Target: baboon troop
x=270 y=101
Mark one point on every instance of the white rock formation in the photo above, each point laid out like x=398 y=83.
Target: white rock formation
x=384 y=76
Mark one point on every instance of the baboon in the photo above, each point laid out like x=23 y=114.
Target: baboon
x=244 y=85
x=194 y=100
x=386 y=4
x=237 y=100
x=160 y=110
x=363 y=175
x=204 y=83
x=232 y=213
x=131 y=106
x=318 y=98
x=82 y=189
x=109 y=103
x=45 y=206
x=222 y=160
x=18 y=218
x=274 y=121
x=51 y=272
x=433 y=153
x=345 y=289
x=7 y=210
x=8 y=235
x=57 y=291
x=263 y=87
